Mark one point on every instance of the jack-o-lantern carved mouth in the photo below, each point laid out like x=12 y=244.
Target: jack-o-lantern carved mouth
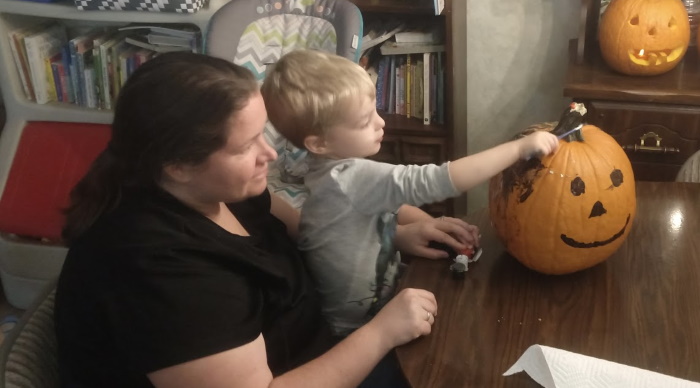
x=654 y=57
x=577 y=244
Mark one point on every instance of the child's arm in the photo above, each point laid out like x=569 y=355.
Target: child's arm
x=408 y=214
x=472 y=170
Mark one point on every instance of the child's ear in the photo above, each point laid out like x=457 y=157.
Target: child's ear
x=315 y=145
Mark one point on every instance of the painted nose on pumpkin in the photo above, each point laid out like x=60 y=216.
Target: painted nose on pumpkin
x=597 y=210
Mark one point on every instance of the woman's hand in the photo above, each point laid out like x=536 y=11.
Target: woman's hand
x=408 y=315
x=413 y=238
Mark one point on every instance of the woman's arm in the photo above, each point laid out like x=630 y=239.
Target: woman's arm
x=403 y=319
x=286 y=213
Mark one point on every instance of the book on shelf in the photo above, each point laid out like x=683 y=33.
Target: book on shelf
x=425 y=34
x=19 y=54
x=380 y=33
x=411 y=85
x=390 y=108
x=439 y=64
x=417 y=89
x=57 y=77
x=168 y=40
x=41 y=46
x=394 y=48
x=382 y=82
x=182 y=30
x=183 y=36
x=408 y=79
x=85 y=65
x=427 y=85
x=142 y=41
x=78 y=47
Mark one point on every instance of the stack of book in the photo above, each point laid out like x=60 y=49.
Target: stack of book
x=409 y=72
x=87 y=67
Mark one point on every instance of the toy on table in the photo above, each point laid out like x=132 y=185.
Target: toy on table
x=461 y=259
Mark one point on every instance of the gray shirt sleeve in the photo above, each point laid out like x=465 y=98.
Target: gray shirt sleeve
x=374 y=187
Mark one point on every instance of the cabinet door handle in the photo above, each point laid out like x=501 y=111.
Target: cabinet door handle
x=643 y=147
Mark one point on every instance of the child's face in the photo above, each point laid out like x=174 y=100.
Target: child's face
x=360 y=135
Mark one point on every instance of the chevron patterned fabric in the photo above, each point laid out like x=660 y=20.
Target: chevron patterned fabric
x=256 y=33
x=264 y=42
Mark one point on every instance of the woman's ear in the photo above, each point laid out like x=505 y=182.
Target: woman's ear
x=315 y=145
x=178 y=172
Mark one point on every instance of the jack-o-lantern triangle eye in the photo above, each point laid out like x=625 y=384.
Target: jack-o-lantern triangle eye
x=672 y=23
x=616 y=177
x=635 y=20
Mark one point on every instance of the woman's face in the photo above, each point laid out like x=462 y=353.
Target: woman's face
x=239 y=169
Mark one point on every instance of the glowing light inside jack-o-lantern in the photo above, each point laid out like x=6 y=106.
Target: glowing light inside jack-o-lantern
x=654 y=58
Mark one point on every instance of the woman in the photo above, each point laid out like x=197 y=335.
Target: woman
x=181 y=270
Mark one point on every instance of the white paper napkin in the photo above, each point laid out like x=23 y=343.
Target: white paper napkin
x=556 y=368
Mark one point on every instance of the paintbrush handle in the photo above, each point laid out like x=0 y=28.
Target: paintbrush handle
x=569 y=132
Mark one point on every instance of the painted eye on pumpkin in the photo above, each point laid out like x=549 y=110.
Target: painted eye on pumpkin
x=616 y=177
x=578 y=186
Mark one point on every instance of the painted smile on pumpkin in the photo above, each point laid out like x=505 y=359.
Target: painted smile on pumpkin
x=654 y=57
x=576 y=244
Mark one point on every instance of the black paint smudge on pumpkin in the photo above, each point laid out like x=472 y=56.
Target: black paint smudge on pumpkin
x=520 y=177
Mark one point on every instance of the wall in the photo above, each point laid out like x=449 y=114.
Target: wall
x=516 y=58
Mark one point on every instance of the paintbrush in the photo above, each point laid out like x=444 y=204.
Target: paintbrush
x=569 y=132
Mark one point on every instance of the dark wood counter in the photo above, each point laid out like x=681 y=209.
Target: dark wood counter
x=641 y=307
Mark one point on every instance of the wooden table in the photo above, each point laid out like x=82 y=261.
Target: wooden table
x=641 y=307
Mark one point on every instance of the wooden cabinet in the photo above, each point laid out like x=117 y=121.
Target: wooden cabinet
x=408 y=140
x=657 y=138
x=655 y=119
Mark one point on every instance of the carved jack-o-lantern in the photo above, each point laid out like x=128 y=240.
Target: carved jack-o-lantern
x=644 y=37
x=567 y=211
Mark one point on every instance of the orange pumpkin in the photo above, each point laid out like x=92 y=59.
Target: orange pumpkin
x=567 y=211
x=644 y=37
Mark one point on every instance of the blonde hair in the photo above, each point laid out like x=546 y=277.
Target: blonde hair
x=308 y=92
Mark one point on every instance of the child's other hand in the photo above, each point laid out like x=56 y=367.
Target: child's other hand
x=537 y=143
x=415 y=238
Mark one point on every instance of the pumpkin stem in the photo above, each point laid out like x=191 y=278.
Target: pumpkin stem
x=569 y=122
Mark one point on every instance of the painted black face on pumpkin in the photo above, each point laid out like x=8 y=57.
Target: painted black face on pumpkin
x=521 y=178
x=578 y=188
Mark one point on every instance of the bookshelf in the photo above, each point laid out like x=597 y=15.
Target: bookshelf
x=408 y=140
x=15 y=14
